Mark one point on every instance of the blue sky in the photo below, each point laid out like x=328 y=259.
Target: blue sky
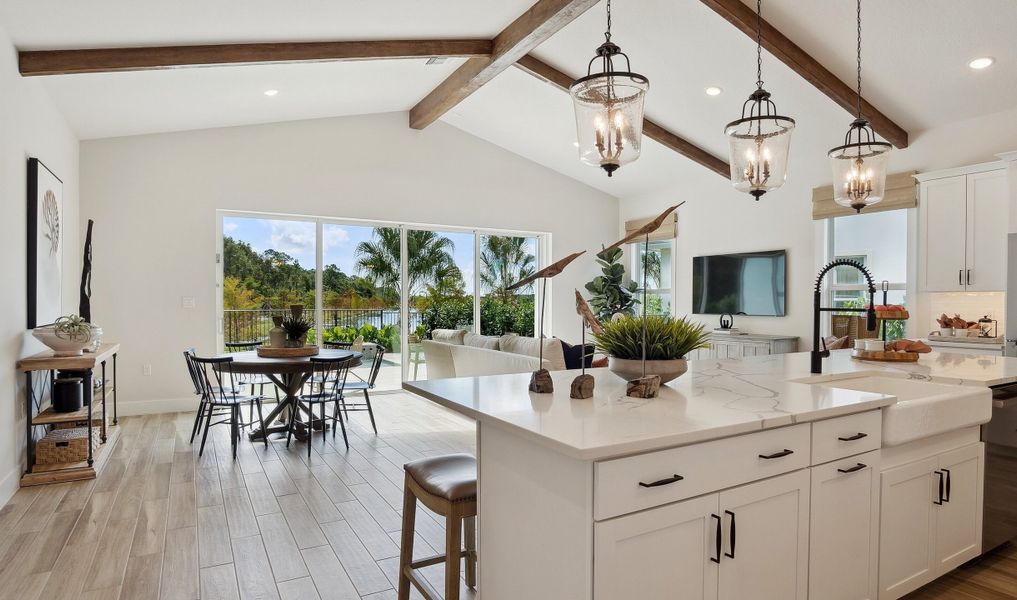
x=297 y=238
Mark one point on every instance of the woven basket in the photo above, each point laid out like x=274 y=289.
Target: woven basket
x=65 y=446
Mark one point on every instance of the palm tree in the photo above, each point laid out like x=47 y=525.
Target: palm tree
x=504 y=261
x=653 y=274
x=430 y=259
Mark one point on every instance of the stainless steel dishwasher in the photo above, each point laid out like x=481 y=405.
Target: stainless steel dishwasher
x=999 y=519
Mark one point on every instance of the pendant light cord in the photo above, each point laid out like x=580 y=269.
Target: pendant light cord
x=759 y=44
x=859 y=18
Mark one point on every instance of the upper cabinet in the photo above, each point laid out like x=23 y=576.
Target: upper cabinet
x=963 y=220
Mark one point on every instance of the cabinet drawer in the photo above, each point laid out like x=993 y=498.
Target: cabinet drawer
x=845 y=436
x=702 y=468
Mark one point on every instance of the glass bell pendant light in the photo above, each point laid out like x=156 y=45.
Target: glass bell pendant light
x=859 y=165
x=760 y=140
x=609 y=108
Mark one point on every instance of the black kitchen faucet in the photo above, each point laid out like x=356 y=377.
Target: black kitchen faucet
x=818 y=355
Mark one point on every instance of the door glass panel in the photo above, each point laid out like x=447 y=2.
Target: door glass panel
x=504 y=260
x=268 y=267
x=361 y=296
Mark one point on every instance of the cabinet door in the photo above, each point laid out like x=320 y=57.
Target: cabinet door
x=943 y=221
x=959 y=518
x=844 y=529
x=664 y=553
x=723 y=349
x=988 y=208
x=907 y=526
x=766 y=528
x=755 y=349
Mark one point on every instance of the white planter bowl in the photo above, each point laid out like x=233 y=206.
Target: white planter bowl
x=62 y=346
x=629 y=369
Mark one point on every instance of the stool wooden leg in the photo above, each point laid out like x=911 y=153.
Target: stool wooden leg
x=471 y=551
x=406 y=549
x=453 y=553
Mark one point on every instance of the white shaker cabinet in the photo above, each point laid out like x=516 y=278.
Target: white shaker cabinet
x=963 y=220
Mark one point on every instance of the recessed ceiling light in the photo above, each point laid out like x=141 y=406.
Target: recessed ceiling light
x=982 y=62
x=576 y=144
x=713 y=91
x=271 y=92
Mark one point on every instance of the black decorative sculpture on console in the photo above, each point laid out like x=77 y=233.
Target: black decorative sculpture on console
x=870 y=312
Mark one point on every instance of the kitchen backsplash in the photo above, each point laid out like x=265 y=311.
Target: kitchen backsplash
x=970 y=305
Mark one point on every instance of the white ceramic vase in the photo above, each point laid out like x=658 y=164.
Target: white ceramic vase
x=629 y=369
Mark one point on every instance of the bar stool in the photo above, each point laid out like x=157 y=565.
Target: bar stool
x=448 y=486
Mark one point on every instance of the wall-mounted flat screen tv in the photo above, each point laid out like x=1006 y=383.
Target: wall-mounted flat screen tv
x=751 y=283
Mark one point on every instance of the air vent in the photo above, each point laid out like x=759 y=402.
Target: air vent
x=436 y=60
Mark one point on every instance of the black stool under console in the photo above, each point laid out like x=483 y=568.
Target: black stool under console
x=80 y=430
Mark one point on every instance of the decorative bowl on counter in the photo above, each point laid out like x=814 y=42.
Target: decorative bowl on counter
x=629 y=369
x=67 y=344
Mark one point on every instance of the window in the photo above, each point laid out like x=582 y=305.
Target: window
x=659 y=267
x=878 y=241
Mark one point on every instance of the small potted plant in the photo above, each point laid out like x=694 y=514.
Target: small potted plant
x=668 y=342
x=296 y=331
x=68 y=336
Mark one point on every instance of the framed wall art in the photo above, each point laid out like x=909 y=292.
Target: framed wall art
x=45 y=244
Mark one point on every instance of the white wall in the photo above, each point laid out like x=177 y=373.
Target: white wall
x=717 y=220
x=154 y=200
x=30 y=126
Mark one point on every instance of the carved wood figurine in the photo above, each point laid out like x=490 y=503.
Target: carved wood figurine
x=645 y=229
x=540 y=381
x=582 y=385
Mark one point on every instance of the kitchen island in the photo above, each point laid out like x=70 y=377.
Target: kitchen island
x=616 y=497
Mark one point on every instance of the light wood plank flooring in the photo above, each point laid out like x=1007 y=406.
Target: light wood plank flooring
x=160 y=522
x=990 y=577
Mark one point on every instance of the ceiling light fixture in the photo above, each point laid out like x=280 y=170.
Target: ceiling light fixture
x=271 y=93
x=713 y=91
x=609 y=108
x=760 y=140
x=859 y=165
x=982 y=62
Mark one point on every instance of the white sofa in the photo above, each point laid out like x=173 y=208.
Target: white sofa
x=458 y=353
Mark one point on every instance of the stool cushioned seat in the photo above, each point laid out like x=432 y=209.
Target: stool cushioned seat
x=452 y=476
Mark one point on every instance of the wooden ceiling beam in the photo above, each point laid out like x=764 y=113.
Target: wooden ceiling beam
x=743 y=17
x=541 y=70
x=539 y=22
x=107 y=60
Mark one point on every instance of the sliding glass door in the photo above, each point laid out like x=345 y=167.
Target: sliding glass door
x=505 y=260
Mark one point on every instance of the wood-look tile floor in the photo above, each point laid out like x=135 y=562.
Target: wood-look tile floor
x=990 y=577
x=162 y=522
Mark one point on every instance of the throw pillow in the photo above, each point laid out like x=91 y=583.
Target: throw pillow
x=489 y=342
x=574 y=355
x=449 y=336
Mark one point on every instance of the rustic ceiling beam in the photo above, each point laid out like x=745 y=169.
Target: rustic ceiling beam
x=744 y=18
x=106 y=60
x=541 y=70
x=540 y=22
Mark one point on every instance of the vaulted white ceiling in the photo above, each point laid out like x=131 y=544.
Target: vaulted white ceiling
x=915 y=68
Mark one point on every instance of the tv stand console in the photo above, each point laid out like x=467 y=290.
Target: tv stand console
x=739 y=345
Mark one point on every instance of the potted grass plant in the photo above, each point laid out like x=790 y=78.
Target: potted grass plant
x=668 y=342
x=296 y=331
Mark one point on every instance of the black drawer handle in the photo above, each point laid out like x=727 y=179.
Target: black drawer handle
x=732 y=553
x=940 y=501
x=661 y=482
x=947 y=498
x=852 y=438
x=719 y=535
x=780 y=454
x=853 y=469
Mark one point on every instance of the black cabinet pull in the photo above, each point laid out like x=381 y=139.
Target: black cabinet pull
x=780 y=454
x=969 y=283
x=854 y=437
x=732 y=553
x=941 y=477
x=661 y=482
x=853 y=469
x=960 y=276
x=947 y=498
x=720 y=534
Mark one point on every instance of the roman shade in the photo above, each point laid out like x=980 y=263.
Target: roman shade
x=668 y=230
x=901 y=192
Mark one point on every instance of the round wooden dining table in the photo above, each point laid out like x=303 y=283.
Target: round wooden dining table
x=290 y=375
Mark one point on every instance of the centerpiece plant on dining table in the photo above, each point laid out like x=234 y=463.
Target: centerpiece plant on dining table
x=669 y=340
x=296 y=331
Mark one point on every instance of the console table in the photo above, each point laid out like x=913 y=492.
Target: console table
x=741 y=345
x=46 y=365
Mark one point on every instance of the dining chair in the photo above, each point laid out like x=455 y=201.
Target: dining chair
x=337 y=345
x=219 y=391
x=364 y=385
x=251 y=379
x=332 y=372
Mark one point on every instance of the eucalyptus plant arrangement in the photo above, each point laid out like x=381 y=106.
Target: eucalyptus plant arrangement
x=609 y=296
x=72 y=327
x=667 y=338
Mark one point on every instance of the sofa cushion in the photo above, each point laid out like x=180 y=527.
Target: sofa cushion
x=553 y=355
x=449 y=336
x=476 y=362
x=574 y=355
x=475 y=340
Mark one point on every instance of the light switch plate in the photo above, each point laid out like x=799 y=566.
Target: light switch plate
x=187 y=301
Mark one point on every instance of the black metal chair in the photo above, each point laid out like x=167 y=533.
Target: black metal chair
x=251 y=379
x=195 y=380
x=332 y=372
x=338 y=345
x=364 y=385
x=219 y=391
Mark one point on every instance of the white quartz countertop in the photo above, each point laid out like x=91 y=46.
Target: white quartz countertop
x=715 y=399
